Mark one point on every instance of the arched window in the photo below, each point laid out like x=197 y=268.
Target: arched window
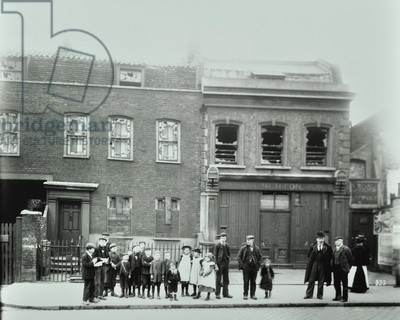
x=272 y=144
x=316 y=146
x=226 y=143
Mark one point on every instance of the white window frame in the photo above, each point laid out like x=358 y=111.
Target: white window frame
x=133 y=84
x=124 y=209
x=11 y=129
x=112 y=138
x=84 y=134
x=175 y=161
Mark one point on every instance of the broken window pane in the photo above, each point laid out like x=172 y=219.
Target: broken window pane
x=10 y=69
x=271 y=144
x=316 y=149
x=226 y=145
x=9 y=131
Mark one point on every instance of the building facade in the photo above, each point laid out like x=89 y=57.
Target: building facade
x=172 y=153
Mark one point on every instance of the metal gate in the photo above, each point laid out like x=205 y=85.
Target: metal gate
x=10 y=240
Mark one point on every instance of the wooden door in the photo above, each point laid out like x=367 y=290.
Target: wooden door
x=275 y=226
x=239 y=213
x=69 y=221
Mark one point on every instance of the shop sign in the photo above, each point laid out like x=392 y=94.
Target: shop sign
x=364 y=194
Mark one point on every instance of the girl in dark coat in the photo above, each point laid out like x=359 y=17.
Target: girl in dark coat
x=267 y=275
x=173 y=277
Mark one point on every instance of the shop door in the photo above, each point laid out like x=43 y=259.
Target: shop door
x=275 y=226
x=69 y=221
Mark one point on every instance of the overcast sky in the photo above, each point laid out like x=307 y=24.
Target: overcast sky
x=362 y=37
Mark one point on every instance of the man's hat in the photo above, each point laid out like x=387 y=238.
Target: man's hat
x=361 y=238
x=320 y=234
x=186 y=246
x=90 y=246
x=142 y=242
x=197 y=250
x=125 y=254
x=249 y=237
x=113 y=245
x=147 y=249
x=102 y=238
x=222 y=234
x=105 y=234
x=135 y=245
x=338 y=237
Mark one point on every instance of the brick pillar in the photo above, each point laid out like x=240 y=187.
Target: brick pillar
x=396 y=232
x=34 y=228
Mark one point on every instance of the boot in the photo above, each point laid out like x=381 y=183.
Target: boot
x=197 y=295
x=126 y=293
x=170 y=297
x=187 y=290
x=208 y=297
x=113 y=293
x=175 y=298
x=122 y=294
x=182 y=290
x=194 y=291
x=105 y=294
x=148 y=293
x=266 y=294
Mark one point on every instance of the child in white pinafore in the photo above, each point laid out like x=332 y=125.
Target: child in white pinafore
x=185 y=264
x=207 y=276
x=195 y=271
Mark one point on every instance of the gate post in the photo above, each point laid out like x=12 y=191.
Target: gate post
x=33 y=231
x=18 y=249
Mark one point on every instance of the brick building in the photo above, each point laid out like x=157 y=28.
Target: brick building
x=179 y=153
x=277 y=136
x=128 y=164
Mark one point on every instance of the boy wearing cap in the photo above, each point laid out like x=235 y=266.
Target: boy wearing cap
x=341 y=264
x=222 y=256
x=102 y=254
x=89 y=265
x=124 y=275
x=249 y=258
x=114 y=259
x=165 y=267
x=145 y=275
x=318 y=266
x=135 y=260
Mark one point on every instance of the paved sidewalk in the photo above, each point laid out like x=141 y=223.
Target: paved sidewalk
x=288 y=291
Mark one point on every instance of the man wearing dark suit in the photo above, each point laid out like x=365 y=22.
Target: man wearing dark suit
x=102 y=254
x=318 y=266
x=249 y=258
x=222 y=255
x=341 y=264
x=88 y=274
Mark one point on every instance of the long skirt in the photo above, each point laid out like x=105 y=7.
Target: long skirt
x=358 y=279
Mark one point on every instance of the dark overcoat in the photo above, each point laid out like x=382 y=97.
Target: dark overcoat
x=327 y=258
x=88 y=269
x=346 y=259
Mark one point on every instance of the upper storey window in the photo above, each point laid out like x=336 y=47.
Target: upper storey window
x=10 y=69
x=130 y=77
x=317 y=146
x=226 y=144
x=271 y=144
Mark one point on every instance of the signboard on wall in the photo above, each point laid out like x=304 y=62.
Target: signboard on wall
x=383 y=222
x=385 y=249
x=364 y=194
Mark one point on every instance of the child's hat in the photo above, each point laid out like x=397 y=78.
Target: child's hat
x=90 y=246
x=147 y=249
x=102 y=238
x=113 y=245
x=186 y=246
x=125 y=254
x=105 y=234
x=210 y=255
x=197 y=250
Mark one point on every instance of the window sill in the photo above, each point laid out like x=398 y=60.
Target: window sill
x=75 y=157
x=169 y=162
x=9 y=155
x=229 y=166
x=267 y=167
x=120 y=159
x=316 y=168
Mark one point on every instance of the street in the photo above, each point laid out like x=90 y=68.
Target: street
x=326 y=313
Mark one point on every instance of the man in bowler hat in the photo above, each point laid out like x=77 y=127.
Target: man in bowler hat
x=341 y=264
x=249 y=258
x=318 y=266
x=222 y=255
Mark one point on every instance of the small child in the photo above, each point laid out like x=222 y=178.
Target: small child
x=207 y=276
x=124 y=275
x=114 y=259
x=195 y=271
x=165 y=267
x=173 y=277
x=185 y=264
x=267 y=275
x=145 y=276
x=156 y=274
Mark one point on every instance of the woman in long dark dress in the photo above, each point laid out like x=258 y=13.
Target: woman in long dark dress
x=358 y=275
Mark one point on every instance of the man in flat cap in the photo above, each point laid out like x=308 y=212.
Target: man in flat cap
x=101 y=278
x=341 y=264
x=318 y=266
x=249 y=258
x=89 y=265
x=222 y=255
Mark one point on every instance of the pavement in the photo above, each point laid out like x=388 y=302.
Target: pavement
x=288 y=291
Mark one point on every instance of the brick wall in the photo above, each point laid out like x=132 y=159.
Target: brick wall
x=143 y=179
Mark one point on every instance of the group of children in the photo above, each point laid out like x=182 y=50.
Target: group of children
x=139 y=269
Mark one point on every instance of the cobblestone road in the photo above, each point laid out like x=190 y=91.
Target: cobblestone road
x=327 y=313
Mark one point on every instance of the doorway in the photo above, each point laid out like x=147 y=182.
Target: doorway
x=69 y=221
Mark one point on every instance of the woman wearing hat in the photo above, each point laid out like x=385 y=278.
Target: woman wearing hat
x=358 y=276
